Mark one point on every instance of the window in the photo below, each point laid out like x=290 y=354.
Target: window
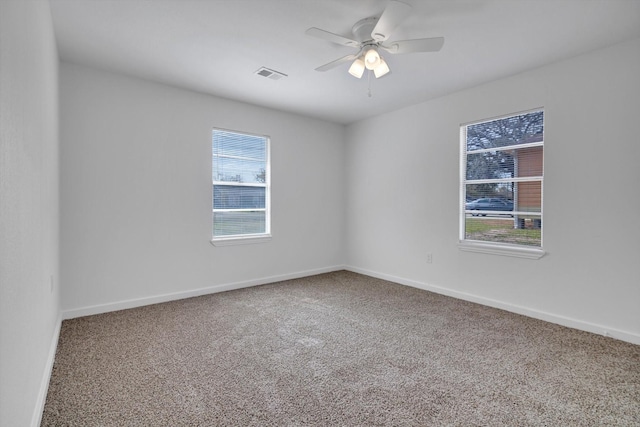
x=501 y=175
x=240 y=177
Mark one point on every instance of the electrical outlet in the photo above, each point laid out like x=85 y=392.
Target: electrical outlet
x=429 y=258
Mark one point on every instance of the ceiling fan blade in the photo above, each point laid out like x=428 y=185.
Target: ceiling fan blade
x=334 y=64
x=393 y=15
x=432 y=44
x=335 y=38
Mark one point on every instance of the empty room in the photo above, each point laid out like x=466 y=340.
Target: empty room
x=331 y=213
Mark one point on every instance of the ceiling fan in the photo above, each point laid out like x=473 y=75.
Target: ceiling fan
x=369 y=37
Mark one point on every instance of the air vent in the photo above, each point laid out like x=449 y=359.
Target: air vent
x=270 y=74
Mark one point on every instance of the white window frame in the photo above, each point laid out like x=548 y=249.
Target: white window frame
x=239 y=239
x=497 y=248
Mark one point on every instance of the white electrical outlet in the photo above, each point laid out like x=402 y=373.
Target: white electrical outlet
x=429 y=258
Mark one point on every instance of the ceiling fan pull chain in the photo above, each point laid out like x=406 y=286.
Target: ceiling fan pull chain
x=369 y=83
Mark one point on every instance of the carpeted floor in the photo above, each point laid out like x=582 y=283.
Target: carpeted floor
x=338 y=349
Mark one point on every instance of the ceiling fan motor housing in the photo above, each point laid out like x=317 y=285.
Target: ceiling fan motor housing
x=363 y=28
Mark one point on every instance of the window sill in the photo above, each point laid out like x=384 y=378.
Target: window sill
x=504 y=250
x=247 y=240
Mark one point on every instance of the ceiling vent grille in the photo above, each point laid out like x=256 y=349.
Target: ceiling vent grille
x=270 y=74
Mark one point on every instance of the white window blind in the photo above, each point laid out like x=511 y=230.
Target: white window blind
x=501 y=180
x=240 y=177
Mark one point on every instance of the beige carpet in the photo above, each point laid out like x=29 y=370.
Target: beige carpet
x=338 y=349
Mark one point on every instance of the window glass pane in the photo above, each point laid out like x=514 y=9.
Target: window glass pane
x=233 y=223
x=500 y=191
x=509 y=211
x=490 y=165
x=238 y=197
x=504 y=230
x=518 y=196
x=229 y=169
x=240 y=175
x=515 y=130
x=232 y=144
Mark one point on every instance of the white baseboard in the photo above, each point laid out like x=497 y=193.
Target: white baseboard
x=46 y=376
x=139 y=302
x=536 y=314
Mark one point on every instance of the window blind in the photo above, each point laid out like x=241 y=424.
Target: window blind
x=502 y=176
x=240 y=178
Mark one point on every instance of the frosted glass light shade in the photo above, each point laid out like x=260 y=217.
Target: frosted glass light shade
x=357 y=68
x=371 y=59
x=381 y=69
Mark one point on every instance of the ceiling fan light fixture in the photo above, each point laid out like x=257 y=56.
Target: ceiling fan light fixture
x=368 y=36
x=371 y=58
x=381 y=69
x=357 y=68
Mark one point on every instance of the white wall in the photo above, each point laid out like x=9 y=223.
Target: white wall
x=403 y=195
x=29 y=314
x=136 y=193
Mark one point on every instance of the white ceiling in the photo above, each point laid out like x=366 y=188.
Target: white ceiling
x=215 y=46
